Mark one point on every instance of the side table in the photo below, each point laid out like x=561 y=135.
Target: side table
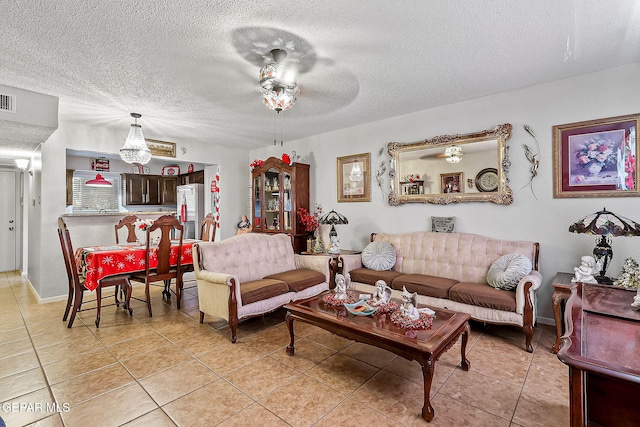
x=335 y=262
x=561 y=292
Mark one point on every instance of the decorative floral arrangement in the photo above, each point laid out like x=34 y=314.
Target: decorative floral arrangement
x=411 y=178
x=143 y=224
x=629 y=276
x=425 y=321
x=331 y=300
x=390 y=307
x=256 y=163
x=286 y=158
x=309 y=221
x=596 y=150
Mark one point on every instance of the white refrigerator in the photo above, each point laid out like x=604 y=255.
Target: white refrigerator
x=191 y=209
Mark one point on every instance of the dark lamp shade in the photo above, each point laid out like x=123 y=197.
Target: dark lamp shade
x=332 y=218
x=605 y=223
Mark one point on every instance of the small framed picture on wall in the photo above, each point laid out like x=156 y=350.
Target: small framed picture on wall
x=354 y=178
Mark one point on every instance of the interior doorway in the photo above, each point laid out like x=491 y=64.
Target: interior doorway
x=8 y=223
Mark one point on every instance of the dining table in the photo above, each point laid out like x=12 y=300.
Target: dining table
x=97 y=262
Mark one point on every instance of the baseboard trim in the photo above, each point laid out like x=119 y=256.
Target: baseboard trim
x=546 y=321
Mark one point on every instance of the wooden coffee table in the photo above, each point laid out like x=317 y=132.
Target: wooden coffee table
x=425 y=346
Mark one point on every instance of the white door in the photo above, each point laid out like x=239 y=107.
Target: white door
x=8 y=230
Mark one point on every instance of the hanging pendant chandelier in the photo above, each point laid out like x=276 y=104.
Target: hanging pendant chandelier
x=135 y=148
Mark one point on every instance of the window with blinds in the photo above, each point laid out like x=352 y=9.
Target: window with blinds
x=95 y=199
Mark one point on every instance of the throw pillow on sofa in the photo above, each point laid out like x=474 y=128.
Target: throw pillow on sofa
x=506 y=271
x=379 y=256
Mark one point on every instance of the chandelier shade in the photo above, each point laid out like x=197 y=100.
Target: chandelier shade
x=356 y=172
x=280 y=99
x=135 y=148
x=453 y=154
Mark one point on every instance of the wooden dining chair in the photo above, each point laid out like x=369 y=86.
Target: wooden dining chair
x=128 y=222
x=76 y=282
x=208 y=229
x=164 y=271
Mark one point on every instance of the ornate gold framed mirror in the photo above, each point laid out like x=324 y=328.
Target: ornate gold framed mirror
x=433 y=170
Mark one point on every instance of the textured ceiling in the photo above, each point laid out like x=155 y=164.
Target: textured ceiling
x=190 y=66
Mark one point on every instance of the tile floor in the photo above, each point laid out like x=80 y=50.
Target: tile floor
x=170 y=370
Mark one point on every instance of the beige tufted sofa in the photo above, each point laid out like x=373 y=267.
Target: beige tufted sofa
x=450 y=269
x=252 y=274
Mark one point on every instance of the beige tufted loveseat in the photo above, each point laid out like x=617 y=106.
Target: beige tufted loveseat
x=450 y=269
x=252 y=274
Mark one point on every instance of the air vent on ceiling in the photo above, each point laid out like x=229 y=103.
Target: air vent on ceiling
x=7 y=103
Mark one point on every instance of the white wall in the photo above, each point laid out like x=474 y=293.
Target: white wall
x=46 y=267
x=545 y=219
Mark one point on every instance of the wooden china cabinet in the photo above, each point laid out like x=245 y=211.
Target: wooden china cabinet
x=279 y=190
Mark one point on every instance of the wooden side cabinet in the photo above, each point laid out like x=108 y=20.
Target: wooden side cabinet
x=279 y=190
x=601 y=348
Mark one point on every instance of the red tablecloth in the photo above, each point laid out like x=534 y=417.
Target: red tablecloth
x=97 y=262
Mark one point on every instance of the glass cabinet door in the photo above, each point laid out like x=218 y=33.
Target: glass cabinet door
x=272 y=202
x=286 y=194
x=257 y=222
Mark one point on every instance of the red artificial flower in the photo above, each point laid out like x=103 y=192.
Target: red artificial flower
x=256 y=163
x=286 y=158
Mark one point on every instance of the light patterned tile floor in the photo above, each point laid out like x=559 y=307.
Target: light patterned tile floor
x=171 y=370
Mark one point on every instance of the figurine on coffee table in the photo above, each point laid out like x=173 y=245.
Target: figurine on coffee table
x=382 y=294
x=409 y=307
x=584 y=273
x=342 y=284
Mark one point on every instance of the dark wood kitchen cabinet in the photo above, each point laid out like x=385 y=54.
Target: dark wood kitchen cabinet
x=169 y=187
x=196 y=177
x=149 y=189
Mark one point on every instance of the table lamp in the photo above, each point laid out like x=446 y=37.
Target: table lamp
x=605 y=224
x=333 y=218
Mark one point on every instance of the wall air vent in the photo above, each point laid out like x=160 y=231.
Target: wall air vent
x=7 y=103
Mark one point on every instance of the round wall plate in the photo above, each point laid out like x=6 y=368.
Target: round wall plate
x=487 y=180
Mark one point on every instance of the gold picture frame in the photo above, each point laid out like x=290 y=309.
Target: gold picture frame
x=597 y=158
x=161 y=148
x=354 y=178
x=452 y=182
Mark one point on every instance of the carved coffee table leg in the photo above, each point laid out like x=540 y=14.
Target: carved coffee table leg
x=289 y=319
x=427 y=374
x=463 y=348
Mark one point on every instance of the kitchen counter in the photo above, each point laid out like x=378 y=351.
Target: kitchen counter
x=118 y=213
x=95 y=229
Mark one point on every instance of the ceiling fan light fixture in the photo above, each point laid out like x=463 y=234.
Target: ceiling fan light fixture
x=278 y=84
x=280 y=99
x=135 y=148
x=453 y=154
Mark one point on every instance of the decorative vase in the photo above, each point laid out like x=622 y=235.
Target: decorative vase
x=595 y=168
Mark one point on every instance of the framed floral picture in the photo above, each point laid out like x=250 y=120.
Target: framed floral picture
x=596 y=158
x=354 y=178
